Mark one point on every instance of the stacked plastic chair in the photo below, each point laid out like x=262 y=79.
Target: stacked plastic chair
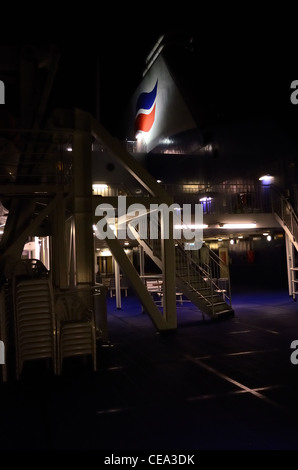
x=34 y=316
x=76 y=329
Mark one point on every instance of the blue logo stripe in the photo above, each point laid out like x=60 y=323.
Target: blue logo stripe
x=146 y=100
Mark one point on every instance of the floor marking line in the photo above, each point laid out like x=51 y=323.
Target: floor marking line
x=233 y=381
x=241 y=353
x=238 y=332
x=232 y=392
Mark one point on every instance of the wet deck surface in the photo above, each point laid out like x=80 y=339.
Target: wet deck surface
x=211 y=385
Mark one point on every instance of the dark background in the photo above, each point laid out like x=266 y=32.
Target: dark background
x=248 y=61
x=247 y=55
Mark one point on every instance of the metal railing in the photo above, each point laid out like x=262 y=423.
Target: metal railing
x=201 y=271
x=204 y=273
x=284 y=210
x=225 y=198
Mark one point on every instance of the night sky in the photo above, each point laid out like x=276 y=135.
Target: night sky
x=102 y=76
x=248 y=55
x=248 y=70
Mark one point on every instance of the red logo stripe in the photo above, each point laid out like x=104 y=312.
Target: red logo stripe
x=144 y=122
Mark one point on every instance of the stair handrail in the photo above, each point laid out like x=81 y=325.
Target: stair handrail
x=285 y=211
x=206 y=271
x=202 y=273
x=210 y=273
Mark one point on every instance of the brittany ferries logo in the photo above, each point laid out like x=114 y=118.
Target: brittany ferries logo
x=145 y=111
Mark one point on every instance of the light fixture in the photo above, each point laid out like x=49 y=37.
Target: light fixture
x=105 y=253
x=269 y=238
x=239 y=225
x=205 y=199
x=232 y=241
x=266 y=179
x=100 y=189
x=100 y=186
x=196 y=226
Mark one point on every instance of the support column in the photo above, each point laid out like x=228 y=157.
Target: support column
x=71 y=261
x=142 y=264
x=290 y=263
x=168 y=269
x=117 y=285
x=142 y=260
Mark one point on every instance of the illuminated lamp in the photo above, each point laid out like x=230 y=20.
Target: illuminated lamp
x=266 y=179
x=239 y=225
x=192 y=227
x=205 y=199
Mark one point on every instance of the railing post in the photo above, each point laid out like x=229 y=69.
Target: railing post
x=290 y=265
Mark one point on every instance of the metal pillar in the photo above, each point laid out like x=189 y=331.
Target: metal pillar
x=142 y=260
x=117 y=285
x=168 y=270
x=71 y=260
x=142 y=263
x=290 y=263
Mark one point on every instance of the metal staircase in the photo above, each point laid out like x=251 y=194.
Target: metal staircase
x=205 y=282
x=287 y=218
x=206 y=285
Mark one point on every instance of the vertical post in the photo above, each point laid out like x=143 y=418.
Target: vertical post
x=117 y=285
x=45 y=252
x=142 y=260
x=290 y=264
x=71 y=269
x=168 y=269
x=142 y=265
x=2 y=92
x=2 y=352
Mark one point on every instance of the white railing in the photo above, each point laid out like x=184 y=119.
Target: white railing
x=286 y=213
x=202 y=272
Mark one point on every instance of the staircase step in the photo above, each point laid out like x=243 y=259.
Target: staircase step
x=225 y=313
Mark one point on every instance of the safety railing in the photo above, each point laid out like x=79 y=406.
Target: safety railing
x=284 y=210
x=225 y=198
x=205 y=273
x=201 y=271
